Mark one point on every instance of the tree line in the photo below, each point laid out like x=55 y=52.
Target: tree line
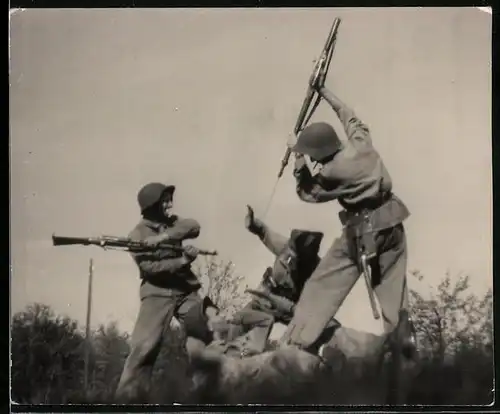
x=454 y=333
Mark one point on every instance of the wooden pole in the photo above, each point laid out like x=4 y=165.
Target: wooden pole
x=87 y=328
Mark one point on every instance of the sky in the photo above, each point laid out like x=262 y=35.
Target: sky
x=104 y=101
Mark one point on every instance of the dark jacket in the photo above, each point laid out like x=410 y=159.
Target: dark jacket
x=303 y=247
x=163 y=271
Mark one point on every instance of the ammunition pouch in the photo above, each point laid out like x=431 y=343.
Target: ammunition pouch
x=196 y=321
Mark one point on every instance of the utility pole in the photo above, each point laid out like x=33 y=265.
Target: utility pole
x=87 y=329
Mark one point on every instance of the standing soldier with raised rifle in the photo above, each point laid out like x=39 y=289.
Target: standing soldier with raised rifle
x=373 y=241
x=168 y=288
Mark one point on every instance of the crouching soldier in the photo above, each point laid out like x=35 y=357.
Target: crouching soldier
x=275 y=298
x=168 y=288
x=373 y=237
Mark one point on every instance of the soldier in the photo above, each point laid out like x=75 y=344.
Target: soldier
x=168 y=288
x=296 y=258
x=353 y=173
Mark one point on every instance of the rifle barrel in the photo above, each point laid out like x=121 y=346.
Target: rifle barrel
x=66 y=241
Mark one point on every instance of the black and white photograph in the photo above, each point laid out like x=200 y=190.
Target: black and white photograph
x=251 y=206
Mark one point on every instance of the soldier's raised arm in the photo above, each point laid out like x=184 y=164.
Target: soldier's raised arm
x=356 y=130
x=274 y=241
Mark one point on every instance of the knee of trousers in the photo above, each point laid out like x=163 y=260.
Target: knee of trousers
x=143 y=352
x=196 y=321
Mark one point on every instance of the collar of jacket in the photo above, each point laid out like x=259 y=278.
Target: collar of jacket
x=154 y=225
x=157 y=225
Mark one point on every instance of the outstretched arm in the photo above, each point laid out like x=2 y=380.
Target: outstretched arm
x=274 y=241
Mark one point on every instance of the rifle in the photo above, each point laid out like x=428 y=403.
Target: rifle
x=281 y=304
x=120 y=243
x=318 y=77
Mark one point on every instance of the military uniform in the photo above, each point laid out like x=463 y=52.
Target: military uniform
x=354 y=174
x=168 y=288
x=296 y=258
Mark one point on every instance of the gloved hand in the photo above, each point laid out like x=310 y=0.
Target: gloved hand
x=253 y=224
x=191 y=253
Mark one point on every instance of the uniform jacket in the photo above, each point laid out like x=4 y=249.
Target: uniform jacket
x=163 y=271
x=356 y=176
x=291 y=286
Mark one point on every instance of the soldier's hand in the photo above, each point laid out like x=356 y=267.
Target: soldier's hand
x=300 y=162
x=251 y=223
x=249 y=218
x=314 y=80
x=291 y=141
x=191 y=252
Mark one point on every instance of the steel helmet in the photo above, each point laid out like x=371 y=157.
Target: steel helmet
x=318 y=140
x=152 y=193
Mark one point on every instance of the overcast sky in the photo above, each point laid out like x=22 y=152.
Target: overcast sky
x=104 y=101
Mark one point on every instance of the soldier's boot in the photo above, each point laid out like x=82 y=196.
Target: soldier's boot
x=404 y=336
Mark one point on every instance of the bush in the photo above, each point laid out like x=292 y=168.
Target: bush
x=47 y=356
x=454 y=332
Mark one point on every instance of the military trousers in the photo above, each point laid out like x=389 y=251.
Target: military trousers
x=336 y=275
x=153 y=321
x=250 y=330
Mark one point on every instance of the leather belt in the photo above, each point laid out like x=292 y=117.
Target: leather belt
x=359 y=214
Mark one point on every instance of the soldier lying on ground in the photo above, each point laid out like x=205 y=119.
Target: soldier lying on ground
x=280 y=288
x=277 y=295
x=239 y=363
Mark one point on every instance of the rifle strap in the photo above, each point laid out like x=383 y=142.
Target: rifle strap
x=269 y=202
x=304 y=124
